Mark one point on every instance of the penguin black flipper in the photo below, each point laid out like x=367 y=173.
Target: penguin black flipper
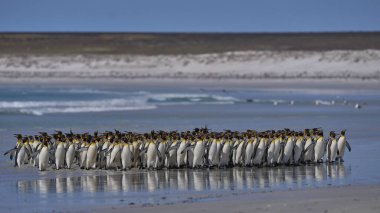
x=17 y=150
x=28 y=153
x=328 y=150
x=173 y=147
x=313 y=151
x=159 y=154
x=35 y=153
x=188 y=147
x=293 y=153
x=235 y=147
x=143 y=151
x=348 y=146
x=309 y=148
x=11 y=150
x=265 y=155
x=38 y=145
x=84 y=149
x=255 y=149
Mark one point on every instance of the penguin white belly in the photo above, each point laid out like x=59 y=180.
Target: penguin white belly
x=172 y=158
x=333 y=151
x=233 y=150
x=277 y=151
x=36 y=160
x=103 y=155
x=181 y=154
x=43 y=162
x=248 y=154
x=126 y=157
x=59 y=156
x=21 y=155
x=198 y=154
x=82 y=157
x=70 y=156
x=225 y=155
x=212 y=154
x=151 y=156
x=217 y=153
x=239 y=152
x=288 y=152
x=271 y=149
x=115 y=155
x=161 y=149
x=190 y=157
x=91 y=156
x=34 y=147
x=309 y=153
x=135 y=154
x=257 y=159
x=341 y=146
x=108 y=156
x=319 y=150
x=298 y=148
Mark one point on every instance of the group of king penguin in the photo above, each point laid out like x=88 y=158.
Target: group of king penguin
x=199 y=148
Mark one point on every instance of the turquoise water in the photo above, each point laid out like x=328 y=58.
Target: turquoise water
x=29 y=110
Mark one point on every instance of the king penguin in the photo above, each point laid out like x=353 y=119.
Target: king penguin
x=60 y=153
x=43 y=162
x=332 y=148
x=342 y=144
x=319 y=150
x=91 y=154
x=199 y=151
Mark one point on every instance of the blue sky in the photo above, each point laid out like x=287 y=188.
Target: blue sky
x=189 y=15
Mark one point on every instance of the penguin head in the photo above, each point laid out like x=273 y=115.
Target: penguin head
x=25 y=140
x=18 y=136
x=332 y=134
x=343 y=132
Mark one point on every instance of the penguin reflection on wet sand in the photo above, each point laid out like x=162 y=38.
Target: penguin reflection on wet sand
x=196 y=149
x=187 y=179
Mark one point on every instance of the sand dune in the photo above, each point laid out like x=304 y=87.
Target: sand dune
x=361 y=64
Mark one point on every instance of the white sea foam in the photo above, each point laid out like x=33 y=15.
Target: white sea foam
x=172 y=97
x=82 y=109
x=85 y=91
x=127 y=101
x=43 y=107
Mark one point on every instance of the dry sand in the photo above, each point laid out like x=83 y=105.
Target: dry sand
x=336 y=199
x=361 y=64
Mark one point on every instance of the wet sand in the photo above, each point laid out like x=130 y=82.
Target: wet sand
x=336 y=199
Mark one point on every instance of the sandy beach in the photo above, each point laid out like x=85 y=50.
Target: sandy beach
x=234 y=88
x=248 y=65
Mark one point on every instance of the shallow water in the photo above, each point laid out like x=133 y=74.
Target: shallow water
x=29 y=110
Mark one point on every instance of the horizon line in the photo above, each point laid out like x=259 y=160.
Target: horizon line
x=186 y=32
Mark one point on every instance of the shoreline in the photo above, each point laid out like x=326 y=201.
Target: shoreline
x=268 y=83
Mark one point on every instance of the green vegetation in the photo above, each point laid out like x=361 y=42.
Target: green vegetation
x=180 y=43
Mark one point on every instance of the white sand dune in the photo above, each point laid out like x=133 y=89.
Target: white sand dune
x=363 y=64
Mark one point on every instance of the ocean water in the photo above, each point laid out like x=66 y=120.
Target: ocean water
x=28 y=110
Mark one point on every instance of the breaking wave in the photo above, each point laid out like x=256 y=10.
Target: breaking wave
x=43 y=107
x=130 y=101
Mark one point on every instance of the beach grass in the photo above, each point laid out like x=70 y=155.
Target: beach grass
x=181 y=43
